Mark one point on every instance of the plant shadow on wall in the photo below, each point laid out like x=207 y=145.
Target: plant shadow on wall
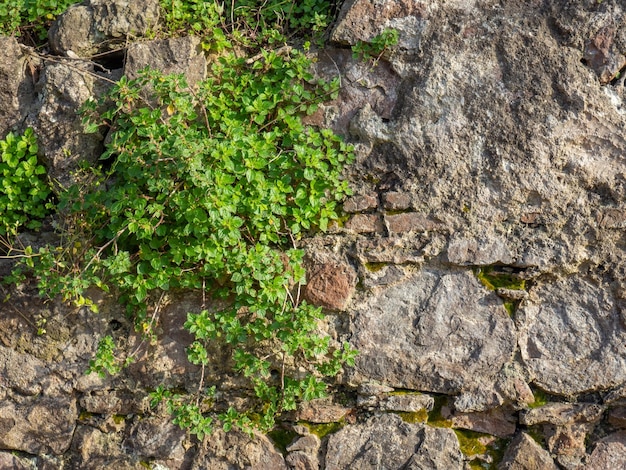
x=210 y=187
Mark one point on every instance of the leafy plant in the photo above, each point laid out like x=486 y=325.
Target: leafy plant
x=251 y=23
x=210 y=188
x=17 y=16
x=24 y=190
x=375 y=47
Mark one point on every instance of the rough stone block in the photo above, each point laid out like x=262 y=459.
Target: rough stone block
x=360 y=203
x=396 y=201
x=525 y=454
x=330 y=285
x=412 y=222
x=365 y=223
x=385 y=441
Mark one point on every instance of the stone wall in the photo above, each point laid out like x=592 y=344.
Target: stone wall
x=480 y=271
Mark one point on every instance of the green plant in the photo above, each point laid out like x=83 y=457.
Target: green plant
x=18 y=16
x=251 y=23
x=24 y=190
x=375 y=47
x=210 y=188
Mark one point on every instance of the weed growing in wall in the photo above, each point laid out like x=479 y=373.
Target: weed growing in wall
x=375 y=48
x=24 y=189
x=210 y=188
x=19 y=16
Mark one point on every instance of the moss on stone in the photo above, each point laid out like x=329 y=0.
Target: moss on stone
x=435 y=418
x=494 y=280
x=322 y=430
x=473 y=446
x=282 y=437
x=412 y=417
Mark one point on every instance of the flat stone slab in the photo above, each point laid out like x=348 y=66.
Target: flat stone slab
x=385 y=441
x=435 y=332
x=572 y=337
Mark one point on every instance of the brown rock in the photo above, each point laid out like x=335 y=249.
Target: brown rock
x=602 y=57
x=396 y=201
x=301 y=461
x=525 y=454
x=617 y=417
x=410 y=402
x=497 y=422
x=568 y=443
x=609 y=453
x=235 y=449
x=321 y=411
x=412 y=222
x=360 y=203
x=365 y=223
x=330 y=285
x=562 y=414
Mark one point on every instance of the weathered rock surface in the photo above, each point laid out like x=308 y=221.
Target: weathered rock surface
x=492 y=134
x=101 y=25
x=385 y=441
x=440 y=332
x=609 y=452
x=62 y=89
x=571 y=337
x=237 y=450
x=174 y=55
x=18 y=74
x=525 y=454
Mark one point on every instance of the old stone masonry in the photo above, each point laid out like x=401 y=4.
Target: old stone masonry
x=480 y=271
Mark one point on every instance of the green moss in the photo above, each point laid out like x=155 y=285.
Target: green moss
x=413 y=417
x=493 y=279
x=473 y=445
x=540 y=398
x=469 y=442
x=375 y=267
x=536 y=432
x=511 y=306
x=435 y=418
x=84 y=416
x=119 y=419
x=282 y=437
x=324 y=429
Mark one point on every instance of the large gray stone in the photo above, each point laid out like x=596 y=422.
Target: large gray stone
x=174 y=55
x=18 y=74
x=609 y=452
x=101 y=25
x=524 y=453
x=387 y=442
x=440 y=332
x=572 y=336
x=62 y=90
x=224 y=451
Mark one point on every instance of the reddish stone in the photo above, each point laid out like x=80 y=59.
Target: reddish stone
x=497 y=422
x=330 y=285
x=411 y=222
x=396 y=201
x=360 y=203
x=365 y=223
